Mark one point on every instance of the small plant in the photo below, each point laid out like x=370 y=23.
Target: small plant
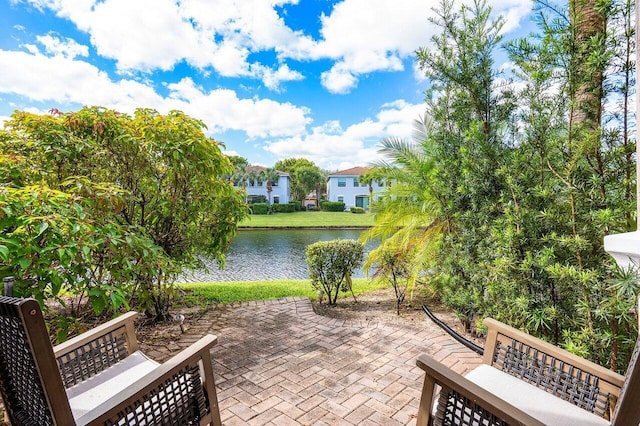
x=331 y=264
x=357 y=210
x=393 y=265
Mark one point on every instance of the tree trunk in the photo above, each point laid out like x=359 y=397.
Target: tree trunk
x=588 y=25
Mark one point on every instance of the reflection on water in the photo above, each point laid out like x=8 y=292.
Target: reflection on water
x=271 y=254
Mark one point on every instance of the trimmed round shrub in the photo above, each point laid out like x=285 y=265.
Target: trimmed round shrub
x=297 y=205
x=331 y=264
x=357 y=210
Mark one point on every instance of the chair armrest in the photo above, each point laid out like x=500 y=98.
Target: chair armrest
x=97 y=349
x=163 y=387
x=467 y=394
x=498 y=331
x=123 y=322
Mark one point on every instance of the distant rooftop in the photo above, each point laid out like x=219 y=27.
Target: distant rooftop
x=354 y=171
x=261 y=169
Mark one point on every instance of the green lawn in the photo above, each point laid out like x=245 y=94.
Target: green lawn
x=309 y=219
x=242 y=291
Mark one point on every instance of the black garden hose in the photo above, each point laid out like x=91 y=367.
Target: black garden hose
x=469 y=344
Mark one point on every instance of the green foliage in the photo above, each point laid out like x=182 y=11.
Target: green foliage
x=259 y=208
x=394 y=266
x=153 y=181
x=305 y=176
x=409 y=218
x=297 y=205
x=56 y=242
x=506 y=203
x=283 y=208
x=332 y=206
x=331 y=264
x=358 y=210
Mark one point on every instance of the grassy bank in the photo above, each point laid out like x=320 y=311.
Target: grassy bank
x=244 y=291
x=311 y=219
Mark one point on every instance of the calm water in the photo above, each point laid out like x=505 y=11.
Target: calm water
x=271 y=254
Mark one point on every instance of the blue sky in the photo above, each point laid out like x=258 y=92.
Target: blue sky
x=272 y=79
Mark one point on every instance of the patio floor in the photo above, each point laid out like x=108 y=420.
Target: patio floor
x=278 y=363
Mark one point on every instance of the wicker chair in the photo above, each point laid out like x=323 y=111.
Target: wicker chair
x=526 y=381
x=99 y=377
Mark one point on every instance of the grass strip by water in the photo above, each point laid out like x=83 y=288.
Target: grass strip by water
x=310 y=219
x=244 y=291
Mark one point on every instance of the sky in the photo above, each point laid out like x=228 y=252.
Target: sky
x=272 y=79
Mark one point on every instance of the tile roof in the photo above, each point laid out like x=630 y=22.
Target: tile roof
x=354 y=171
x=262 y=168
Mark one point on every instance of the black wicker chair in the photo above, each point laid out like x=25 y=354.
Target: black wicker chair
x=526 y=381
x=99 y=377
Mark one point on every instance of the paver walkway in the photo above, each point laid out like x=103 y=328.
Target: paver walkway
x=278 y=363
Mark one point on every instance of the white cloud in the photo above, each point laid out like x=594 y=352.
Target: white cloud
x=338 y=80
x=67 y=48
x=333 y=147
x=272 y=78
x=73 y=82
x=222 y=110
x=360 y=36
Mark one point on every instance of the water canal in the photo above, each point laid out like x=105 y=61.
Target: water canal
x=270 y=255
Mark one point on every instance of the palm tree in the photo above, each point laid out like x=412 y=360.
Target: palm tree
x=409 y=217
x=270 y=175
x=367 y=179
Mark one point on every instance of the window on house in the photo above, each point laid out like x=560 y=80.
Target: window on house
x=355 y=182
x=274 y=182
x=381 y=183
x=276 y=199
x=342 y=182
x=340 y=199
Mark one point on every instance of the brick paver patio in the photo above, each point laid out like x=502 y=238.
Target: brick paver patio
x=278 y=363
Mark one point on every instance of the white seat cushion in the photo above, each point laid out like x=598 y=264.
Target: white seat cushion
x=87 y=395
x=539 y=404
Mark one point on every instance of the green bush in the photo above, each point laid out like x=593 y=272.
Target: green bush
x=88 y=215
x=259 y=208
x=357 y=210
x=297 y=205
x=333 y=206
x=283 y=208
x=331 y=264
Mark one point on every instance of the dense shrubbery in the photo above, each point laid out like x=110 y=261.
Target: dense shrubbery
x=357 y=210
x=332 y=206
x=283 y=208
x=110 y=207
x=331 y=264
x=259 y=208
x=510 y=189
x=297 y=205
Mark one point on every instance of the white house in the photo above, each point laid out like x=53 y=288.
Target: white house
x=345 y=187
x=280 y=189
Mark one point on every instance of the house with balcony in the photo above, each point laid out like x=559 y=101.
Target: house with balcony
x=345 y=186
x=258 y=186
